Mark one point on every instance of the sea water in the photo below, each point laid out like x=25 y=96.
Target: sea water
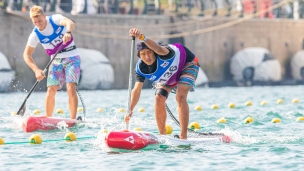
x=260 y=145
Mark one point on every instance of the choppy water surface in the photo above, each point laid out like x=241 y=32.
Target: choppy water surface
x=261 y=145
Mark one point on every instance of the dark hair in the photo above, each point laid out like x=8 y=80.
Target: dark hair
x=141 y=45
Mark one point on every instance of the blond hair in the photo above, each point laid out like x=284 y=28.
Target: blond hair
x=36 y=11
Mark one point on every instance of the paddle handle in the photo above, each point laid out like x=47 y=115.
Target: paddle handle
x=130 y=79
x=36 y=83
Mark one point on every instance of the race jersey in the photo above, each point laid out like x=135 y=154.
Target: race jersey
x=168 y=71
x=51 y=38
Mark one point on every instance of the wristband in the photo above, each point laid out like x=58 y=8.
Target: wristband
x=68 y=31
x=143 y=38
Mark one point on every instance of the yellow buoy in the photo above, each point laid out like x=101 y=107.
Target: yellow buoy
x=1 y=141
x=248 y=103
x=137 y=129
x=248 y=120
x=214 y=106
x=141 y=110
x=121 y=110
x=194 y=125
x=263 y=103
x=221 y=120
x=35 y=139
x=37 y=112
x=169 y=129
x=80 y=109
x=59 y=111
x=13 y=113
x=276 y=120
x=102 y=131
x=300 y=119
x=99 y=110
x=295 y=100
x=70 y=136
x=231 y=105
x=280 y=101
x=198 y=108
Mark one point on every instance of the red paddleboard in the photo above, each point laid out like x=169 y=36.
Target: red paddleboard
x=35 y=123
x=131 y=140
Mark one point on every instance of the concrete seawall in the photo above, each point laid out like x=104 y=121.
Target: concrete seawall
x=109 y=34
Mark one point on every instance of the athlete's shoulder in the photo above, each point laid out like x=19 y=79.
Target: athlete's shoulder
x=33 y=35
x=169 y=55
x=33 y=40
x=57 y=18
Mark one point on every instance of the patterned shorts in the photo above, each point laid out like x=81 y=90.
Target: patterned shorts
x=188 y=76
x=64 y=70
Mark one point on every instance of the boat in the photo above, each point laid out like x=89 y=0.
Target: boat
x=43 y=123
x=136 y=140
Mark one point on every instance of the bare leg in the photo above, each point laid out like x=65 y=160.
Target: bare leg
x=160 y=112
x=183 y=109
x=50 y=100
x=73 y=99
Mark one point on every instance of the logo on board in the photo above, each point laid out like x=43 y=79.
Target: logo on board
x=130 y=139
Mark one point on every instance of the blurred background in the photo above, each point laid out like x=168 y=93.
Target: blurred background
x=238 y=42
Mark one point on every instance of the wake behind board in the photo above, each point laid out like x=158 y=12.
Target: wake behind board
x=131 y=140
x=35 y=123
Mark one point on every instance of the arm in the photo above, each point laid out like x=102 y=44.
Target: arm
x=69 y=24
x=27 y=56
x=134 y=98
x=70 y=27
x=135 y=95
x=160 y=50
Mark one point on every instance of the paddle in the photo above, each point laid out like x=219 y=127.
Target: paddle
x=130 y=79
x=190 y=130
x=22 y=108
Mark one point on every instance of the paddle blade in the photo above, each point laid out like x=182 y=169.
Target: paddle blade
x=21 y=111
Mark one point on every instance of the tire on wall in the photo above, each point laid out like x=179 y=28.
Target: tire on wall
x=7 y=75
x=202 y=79
x=297 y=65
x=255 y=64
x=96 y=70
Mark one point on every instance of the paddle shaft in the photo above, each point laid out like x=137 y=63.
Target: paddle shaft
x=190 y=130
x=130 y=79
x=36 y=83
x=174 y=119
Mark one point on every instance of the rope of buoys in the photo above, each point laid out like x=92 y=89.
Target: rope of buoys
x=70 y=136
x=36 y=139
x=197 y=107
